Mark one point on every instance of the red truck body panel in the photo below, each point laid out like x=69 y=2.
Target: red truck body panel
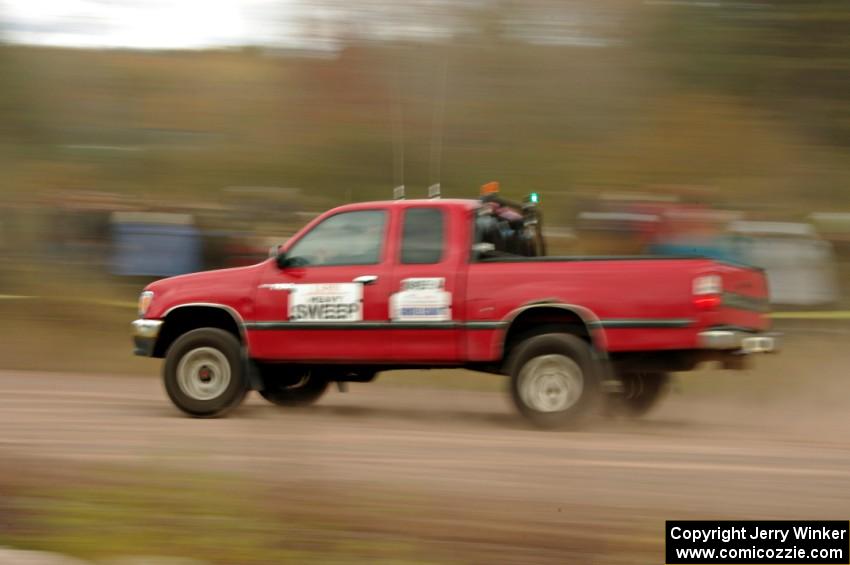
x=640 y=304
x=630 y=304
x=232 y=288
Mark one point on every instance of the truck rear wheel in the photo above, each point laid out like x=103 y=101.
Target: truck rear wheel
x=642 y=391
x=555 y=382
x=203 y=373
x=284 y=388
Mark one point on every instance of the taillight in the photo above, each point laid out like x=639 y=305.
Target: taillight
x=707 y=302
x=708 y=292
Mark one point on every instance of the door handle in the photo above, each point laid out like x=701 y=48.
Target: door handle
x=278 y=286
x=365 y=279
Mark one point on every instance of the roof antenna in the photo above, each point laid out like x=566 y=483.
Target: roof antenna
x=398 y=144
x=437 y=133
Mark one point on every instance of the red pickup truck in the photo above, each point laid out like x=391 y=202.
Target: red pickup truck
x=432 y=283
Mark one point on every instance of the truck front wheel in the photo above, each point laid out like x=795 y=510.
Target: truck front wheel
x=203 y=373
x=555 y=381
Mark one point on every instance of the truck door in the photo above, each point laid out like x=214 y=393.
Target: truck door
x=330 y=302
x=424 y=293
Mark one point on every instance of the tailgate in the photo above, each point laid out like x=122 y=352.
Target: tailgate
x=744 y=299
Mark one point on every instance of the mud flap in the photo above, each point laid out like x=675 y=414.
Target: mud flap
x=252 y=372
x=607 y=376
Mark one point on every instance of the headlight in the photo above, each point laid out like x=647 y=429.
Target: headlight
x=145 y=300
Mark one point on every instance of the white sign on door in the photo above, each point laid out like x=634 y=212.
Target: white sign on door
x=421 y=300
x=331 y=302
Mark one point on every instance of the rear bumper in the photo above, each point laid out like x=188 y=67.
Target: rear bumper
x=738 y=341
x=145 y=333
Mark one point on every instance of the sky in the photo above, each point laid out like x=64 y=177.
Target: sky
x=198 y=24
x=143 y=24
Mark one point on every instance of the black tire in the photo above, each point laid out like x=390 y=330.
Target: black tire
x=285 y=387
x=188 y=392
x=558 y=362
x=642 y=391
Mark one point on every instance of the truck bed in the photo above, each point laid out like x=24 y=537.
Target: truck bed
x=640 y=302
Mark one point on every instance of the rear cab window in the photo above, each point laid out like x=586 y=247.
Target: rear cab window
x=423 y=236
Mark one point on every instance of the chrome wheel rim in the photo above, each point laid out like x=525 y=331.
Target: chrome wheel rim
x=203 y=373
x=551 y=383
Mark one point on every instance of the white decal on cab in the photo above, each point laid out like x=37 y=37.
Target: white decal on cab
x=334 y=302
x=421 y=300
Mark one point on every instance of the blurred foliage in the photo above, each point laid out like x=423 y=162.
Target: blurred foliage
x=749 y=100
x=793 y=57
x=125 y=512
x=156 y=511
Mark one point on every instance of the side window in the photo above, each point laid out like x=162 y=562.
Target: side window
x=422 y=239
x=350 y=238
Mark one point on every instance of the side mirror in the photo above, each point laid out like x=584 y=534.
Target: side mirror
x=274 y=251
x=282 y=260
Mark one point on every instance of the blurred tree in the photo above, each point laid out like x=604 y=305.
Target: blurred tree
x=544 y=95
x=20 y=121
x=788 y=56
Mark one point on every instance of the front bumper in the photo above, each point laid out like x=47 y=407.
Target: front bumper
x=145 y=333
x=738 y=341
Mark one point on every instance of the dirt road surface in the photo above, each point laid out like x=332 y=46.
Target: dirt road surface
x=486 y=479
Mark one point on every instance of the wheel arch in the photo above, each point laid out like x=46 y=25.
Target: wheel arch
x=183 y=318
x=569 y=318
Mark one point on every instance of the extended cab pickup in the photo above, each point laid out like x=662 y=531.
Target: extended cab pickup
x=376 y=286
